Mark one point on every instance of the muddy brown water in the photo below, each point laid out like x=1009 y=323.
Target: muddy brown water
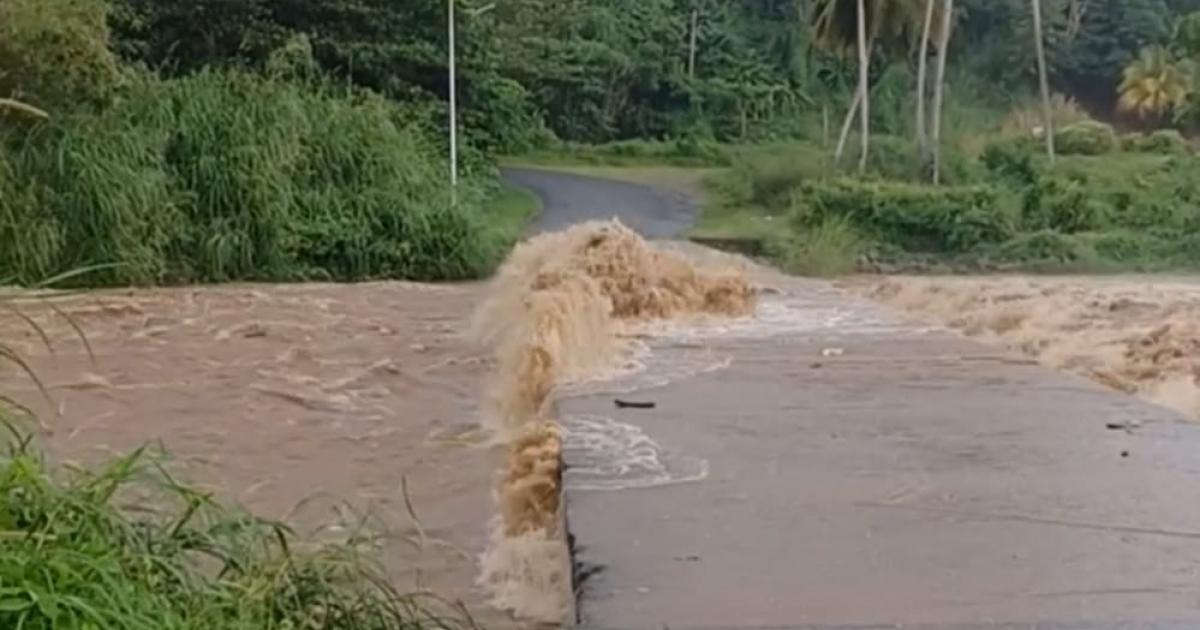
x=313 y=401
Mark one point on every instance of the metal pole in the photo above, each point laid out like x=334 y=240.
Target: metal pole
x=453 y=105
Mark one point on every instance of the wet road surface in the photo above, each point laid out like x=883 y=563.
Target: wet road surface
x=886 y=476
x=570 y=199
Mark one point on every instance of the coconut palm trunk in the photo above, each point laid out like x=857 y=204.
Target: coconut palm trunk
x=864 y=70
x=844 y=136
x=922 y=69
x=1047 y=115
x=940 y=88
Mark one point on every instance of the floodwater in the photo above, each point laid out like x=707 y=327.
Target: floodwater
x=1136 y=334
x=322 y=402
x=314 y=402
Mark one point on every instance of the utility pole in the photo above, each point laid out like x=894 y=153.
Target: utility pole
x=451 y=28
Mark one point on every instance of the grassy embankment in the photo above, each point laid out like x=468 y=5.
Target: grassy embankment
x=1109 y=203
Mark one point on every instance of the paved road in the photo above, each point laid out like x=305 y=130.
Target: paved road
x=910 y=479
x=569 y=199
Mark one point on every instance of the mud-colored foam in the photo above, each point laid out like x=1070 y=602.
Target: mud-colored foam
x=1140 y=336
x=559 y=312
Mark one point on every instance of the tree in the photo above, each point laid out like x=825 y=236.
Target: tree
x=922 y=64
x=940 y=86
x=1153 y=85
x=843 y=26
x=1043 y=81
x=864 y=74
x=55 y=52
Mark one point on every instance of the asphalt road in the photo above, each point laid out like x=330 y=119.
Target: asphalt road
x=570 y=199
x=880 y=476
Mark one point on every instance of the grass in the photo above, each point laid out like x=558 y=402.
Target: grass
x=226 y=176
x=684 y=152
x=511 y=209
x=830 y=248
x=127 y=546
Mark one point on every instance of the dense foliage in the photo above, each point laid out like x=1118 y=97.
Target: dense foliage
x=597 y=71
x=222 y=176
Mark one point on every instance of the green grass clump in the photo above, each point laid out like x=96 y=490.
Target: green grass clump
x=830 y=247
x=231 y=176
x=1161 y=141
x=510 y=209
x=913 y=217
x=1087 y=137
x=685 y=151
x=76 y=558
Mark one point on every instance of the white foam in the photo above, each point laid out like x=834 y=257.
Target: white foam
x=606 y=454
x=786 y=315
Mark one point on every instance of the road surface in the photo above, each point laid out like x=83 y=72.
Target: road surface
x=864 y=472
x=570 y=199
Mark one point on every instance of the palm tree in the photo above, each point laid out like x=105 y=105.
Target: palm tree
x=1047 y=113
x=864 y=73
x=22 y=108
x=922 y=64
x=849 y=25
x=1153 y=84
x=940 y=87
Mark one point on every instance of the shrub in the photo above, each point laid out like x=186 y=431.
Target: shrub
x=890 y=157
x=1065 y=205
x=56 y=52
x=1087 y=137
x=1047 y=246
x=914 y=217
x=1028 y=118
x=1162 y=141
x=227 y=176
x=828 y=248
x=1012 y=158
x=767 y=177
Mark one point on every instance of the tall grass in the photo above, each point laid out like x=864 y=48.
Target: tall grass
x=230 y=176
x=832 y=247
x=76 y=558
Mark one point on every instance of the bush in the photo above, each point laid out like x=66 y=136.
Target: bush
x=913 y=217
x=689 y=151
x=1162 y=141
x=1087 y=137
x=829 y=248
x=1065 y=205
x=767 y=176
x=1048 y=246
x=1012 y=158
x=227 y=176
x=890 y=157
x=56 y=52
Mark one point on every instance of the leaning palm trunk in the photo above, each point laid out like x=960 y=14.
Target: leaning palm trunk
x=922 y=65
x=849 y=122
x=940 y=89
x=1047 y=114
x=864 y=69
x=23 y=108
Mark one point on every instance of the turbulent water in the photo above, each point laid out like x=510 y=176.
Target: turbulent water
x=596 y=310
x=1135 y=334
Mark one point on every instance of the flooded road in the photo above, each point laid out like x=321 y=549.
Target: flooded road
x=317 y=402
x=826 y=461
